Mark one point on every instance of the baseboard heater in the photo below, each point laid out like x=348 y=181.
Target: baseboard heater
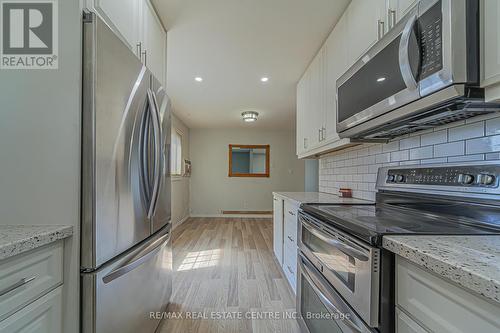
x=247 y=212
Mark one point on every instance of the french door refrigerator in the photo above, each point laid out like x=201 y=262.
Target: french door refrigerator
x=126 y=259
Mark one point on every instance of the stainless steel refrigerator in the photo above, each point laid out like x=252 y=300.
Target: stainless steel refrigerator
x=126 y=259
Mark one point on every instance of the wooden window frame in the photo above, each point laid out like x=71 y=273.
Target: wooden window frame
x=260 y=175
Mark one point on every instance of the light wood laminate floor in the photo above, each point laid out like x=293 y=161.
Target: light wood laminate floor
x=225 y=276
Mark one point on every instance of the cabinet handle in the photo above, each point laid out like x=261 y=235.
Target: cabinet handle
x=323 y=130
x=392 y=18
x=16 y=285
x=290 y=238
x=145 y=54
x=381 y=28
x=319 y=134
x=139 y=49
x=289 y=269
x=305 y=143
x=291 y=213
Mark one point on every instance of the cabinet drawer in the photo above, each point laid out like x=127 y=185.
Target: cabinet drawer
x=42 y=316
x=290 y=225
x=290 y=266
x=441 y=306
x=26 y=277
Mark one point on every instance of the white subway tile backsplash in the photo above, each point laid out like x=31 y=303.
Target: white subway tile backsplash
x=449 y=149
x=458 y=142
x=408 y=143
x=434 y=138
x=468 y=131
x=421 y=153
x=483 y=145
x=493 y=126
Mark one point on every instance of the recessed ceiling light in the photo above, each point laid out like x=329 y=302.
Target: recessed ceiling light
x=198 y=79
x=250 y=116
x=381 y=79
x=264 y=79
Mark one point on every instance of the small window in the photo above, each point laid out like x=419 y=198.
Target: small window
x=176 y=154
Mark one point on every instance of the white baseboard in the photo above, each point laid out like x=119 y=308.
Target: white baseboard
x=251 y=216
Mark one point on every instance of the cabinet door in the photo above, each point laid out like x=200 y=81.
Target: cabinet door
x=122 y=16
x=315 y=111
x=301 y=118
x=278 y=228
x=405 y=324
x=397 y=9
x=363 y=19
x=336 y=65
x=491 y=48
x=155 y=39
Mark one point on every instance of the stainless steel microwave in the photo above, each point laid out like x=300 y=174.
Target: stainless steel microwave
x=423 y=73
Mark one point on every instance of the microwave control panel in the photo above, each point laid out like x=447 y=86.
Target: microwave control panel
x=430 y=35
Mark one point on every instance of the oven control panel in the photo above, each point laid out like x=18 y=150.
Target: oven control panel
x=485 y=176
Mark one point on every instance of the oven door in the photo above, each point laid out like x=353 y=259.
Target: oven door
x=320 y=307
x=349 y=265
x=384 y=79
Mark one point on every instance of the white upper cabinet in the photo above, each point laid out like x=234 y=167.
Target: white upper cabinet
x=122 y=16
x=154 y=39
x=136 y=23
x=397 y=9
x=366 y=23
x=490 y=47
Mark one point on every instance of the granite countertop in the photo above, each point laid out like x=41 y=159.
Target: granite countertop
x=472 y=262
x=16 y=239
x=319 y=197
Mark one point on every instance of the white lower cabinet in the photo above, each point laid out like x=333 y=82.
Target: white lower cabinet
x=42 y=316
x=278 y=228
x=285 y=224
x=31 y=291
x=438 y=305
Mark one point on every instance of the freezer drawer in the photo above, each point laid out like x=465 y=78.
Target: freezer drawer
x=120 y=296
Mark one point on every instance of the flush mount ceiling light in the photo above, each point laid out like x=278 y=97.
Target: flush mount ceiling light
x=198 y=79
x=250 y=116
x=381 y=79
x=264 y=79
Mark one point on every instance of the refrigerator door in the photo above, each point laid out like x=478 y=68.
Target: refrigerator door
x=162 y=211
x=120 y=296
x=115 y=117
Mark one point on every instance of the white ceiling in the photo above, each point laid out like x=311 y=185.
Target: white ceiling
x=231 y=44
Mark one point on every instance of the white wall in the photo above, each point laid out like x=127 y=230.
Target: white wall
x=475 y=139
x=40 y=148
x=211 y=188
x=180 y=185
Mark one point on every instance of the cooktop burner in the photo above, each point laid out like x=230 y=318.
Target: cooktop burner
x=370 y=223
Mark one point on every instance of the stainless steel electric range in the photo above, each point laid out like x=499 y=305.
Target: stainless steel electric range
x=346 y=279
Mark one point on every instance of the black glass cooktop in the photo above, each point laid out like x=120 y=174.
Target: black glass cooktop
x=371 y=223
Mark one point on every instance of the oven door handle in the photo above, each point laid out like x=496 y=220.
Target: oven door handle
x=306 y=272
x=349 y=250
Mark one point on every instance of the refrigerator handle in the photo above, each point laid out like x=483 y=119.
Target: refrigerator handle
x=155 y=116
x=143 y=157
x=143 y=256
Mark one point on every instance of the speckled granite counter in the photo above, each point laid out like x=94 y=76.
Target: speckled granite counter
x=472 y=262
x=21 y=238
x=318 y=197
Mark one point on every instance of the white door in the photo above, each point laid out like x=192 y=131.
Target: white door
x=278 y=229
x=491 y=48
x=363 y=20
x=155 y=41
x=122 y=16
x=397 y=9
x=300 y=117
x=336 y=65
x=314 y=111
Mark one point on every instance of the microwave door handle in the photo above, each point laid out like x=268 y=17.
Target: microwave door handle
x=306 y=272
x=404 y=56
x=350 y=251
